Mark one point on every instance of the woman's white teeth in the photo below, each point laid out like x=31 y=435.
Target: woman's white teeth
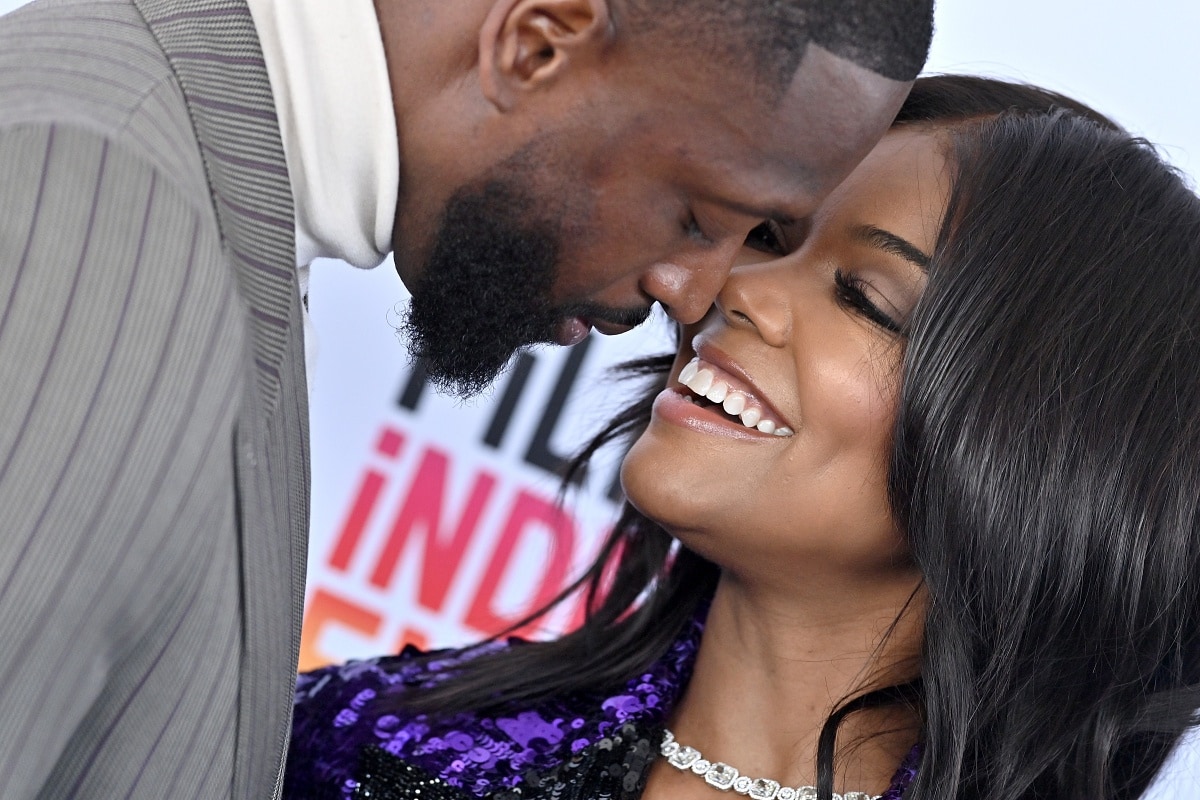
x=689 y=372
x=734 y=405
x=705 y=383
x=702 y=382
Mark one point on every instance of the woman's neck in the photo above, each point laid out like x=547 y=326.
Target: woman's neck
x=771 y=668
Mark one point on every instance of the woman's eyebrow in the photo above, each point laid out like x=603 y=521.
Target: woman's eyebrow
x=891 y=243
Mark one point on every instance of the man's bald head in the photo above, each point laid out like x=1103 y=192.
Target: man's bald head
x=888 y=37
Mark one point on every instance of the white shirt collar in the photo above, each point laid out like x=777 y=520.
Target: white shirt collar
x=329 y=78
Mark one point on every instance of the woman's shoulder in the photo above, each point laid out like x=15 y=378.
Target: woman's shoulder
x=349 y=728
x=342 y=709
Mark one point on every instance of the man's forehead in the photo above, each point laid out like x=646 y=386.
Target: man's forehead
x=729 y=140
x=833 y=111
x=827 y=120
x=756 y=186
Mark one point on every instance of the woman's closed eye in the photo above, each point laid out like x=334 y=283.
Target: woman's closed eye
x=850 y=291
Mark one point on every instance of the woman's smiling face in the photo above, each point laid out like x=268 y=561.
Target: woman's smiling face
x=768 y=451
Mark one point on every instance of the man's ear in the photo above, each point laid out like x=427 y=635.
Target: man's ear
x=525 y=45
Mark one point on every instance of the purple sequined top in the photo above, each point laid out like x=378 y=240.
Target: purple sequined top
x=347 y=742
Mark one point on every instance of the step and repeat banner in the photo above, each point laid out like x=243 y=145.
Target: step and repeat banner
x=437 y=521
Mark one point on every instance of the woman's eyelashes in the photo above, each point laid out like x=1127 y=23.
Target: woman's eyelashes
x=850 y=291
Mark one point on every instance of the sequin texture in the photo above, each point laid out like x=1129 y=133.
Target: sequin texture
x=347 y=744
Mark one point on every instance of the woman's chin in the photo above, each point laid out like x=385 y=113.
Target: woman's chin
x=637 y=483
x=677 y=500
x=649 y=486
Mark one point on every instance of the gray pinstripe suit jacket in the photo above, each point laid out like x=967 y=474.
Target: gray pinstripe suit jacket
x=153 y=419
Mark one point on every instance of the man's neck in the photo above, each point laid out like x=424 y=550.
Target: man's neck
x=333 y=99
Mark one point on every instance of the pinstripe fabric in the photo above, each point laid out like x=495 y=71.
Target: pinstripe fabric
x=153 y=423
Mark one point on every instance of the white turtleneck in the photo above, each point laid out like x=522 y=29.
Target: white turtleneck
x=330 y=82
x=329 y=78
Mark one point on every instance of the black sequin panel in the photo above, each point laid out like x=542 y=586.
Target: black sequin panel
x=614 y=768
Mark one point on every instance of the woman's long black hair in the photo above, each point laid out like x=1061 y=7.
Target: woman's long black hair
x=1046 y=464
x=1046 y=470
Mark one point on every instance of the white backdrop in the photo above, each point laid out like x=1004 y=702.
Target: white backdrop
x=433 y=521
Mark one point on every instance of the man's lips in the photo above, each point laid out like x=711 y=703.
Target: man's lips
x=571 y=331
x=611 y=328
x=610 y=322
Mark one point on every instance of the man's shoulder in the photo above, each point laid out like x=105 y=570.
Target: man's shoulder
x=95 y=65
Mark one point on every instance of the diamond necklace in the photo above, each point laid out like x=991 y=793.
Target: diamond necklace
x=724 y=777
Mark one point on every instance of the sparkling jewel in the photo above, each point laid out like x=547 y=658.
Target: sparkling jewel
x=764 y=789
x=684 y=757
x=724 y=777
x=720 y=776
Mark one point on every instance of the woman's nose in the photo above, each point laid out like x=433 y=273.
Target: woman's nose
x=756 y=297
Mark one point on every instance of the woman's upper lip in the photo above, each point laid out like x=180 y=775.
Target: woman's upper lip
x=715 y=356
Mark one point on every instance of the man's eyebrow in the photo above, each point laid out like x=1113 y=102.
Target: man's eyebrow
x=775 y=214
x=891 y=243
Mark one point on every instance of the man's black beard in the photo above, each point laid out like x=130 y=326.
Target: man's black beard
x=485 y=289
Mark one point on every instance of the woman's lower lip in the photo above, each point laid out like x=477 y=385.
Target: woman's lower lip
x=671 y=406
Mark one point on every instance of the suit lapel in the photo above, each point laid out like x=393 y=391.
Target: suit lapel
x=213 y=46
x=214 y=49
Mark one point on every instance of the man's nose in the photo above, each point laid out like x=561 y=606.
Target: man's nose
x=687 y=284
